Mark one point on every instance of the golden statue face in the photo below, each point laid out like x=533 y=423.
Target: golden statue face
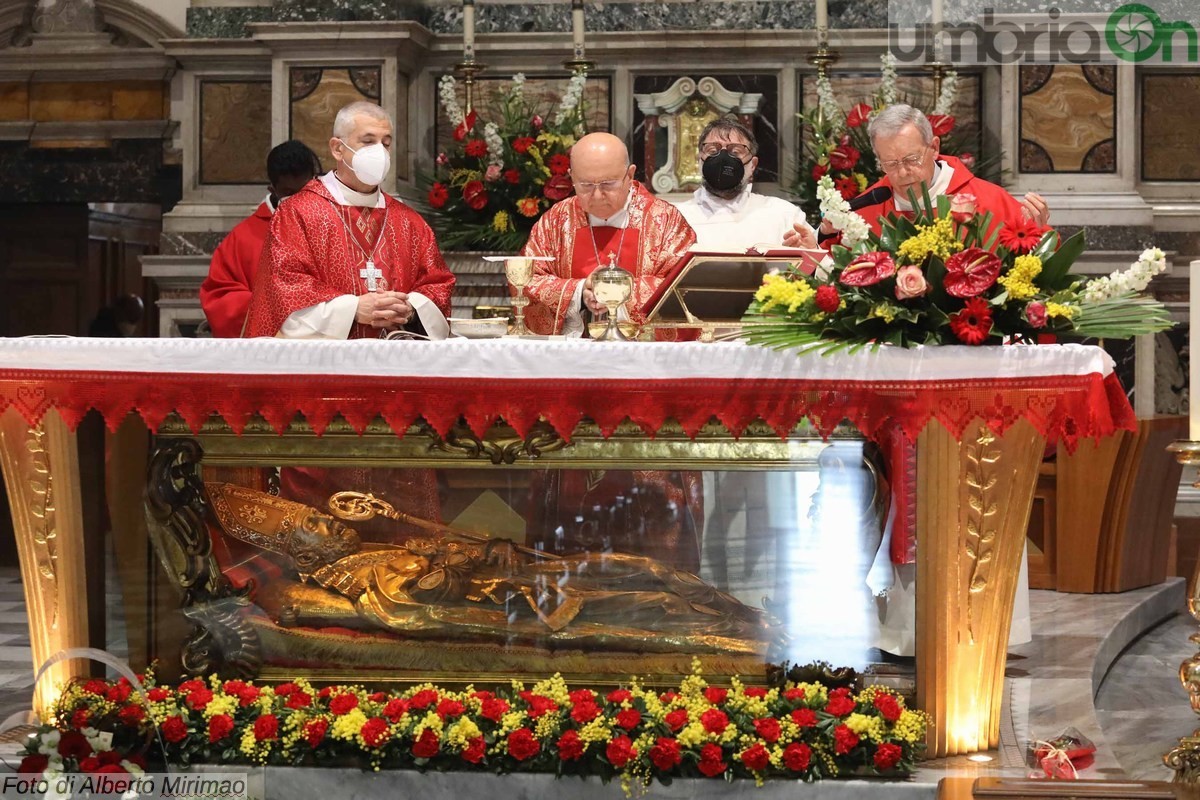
x=321 y=539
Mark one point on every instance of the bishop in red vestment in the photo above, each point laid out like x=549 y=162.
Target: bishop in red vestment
x=611 y=216
x=225 y=293
x=345 y=260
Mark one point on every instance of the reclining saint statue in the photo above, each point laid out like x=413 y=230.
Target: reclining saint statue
x=461 y=586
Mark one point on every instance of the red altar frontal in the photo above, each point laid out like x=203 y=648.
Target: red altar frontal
x=483 y=510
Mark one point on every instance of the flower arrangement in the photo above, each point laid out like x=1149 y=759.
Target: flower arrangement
x=634 y=734
x=949 y=276
x=835 y=141
x=501 y=175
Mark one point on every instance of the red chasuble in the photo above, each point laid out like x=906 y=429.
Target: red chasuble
x=317 y=249
x=656 y=239
x=225 y=293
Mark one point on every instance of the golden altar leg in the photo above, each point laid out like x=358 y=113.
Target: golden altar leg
x=973 y=502
x=41 y=474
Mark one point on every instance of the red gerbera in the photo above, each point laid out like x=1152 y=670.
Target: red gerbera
x=941 y=124
x=522 y=144
x=847 y=187
x=858 y=115
x=559 y=164
x=868 y=269
x=438 y=195
x=818 y=170
x=970 y=272
x=512 y=175
x=1022 y=237
x=476 y=148
x=973 y=324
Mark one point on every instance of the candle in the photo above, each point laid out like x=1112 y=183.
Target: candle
x=936 y=17
x=468 y=30
x=577 y=27
x=1194 y=352
x=822 y=19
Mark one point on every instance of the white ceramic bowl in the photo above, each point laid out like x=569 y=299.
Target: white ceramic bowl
x=492 y=328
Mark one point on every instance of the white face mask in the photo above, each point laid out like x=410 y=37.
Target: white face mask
x=371 y=163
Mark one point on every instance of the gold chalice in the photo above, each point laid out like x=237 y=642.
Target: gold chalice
x=519 y=271
x=612 y=287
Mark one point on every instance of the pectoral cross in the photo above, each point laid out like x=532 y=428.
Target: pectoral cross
x=369 y=273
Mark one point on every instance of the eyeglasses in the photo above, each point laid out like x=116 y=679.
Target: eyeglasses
x=607 y=187
x=738 y=151
x=909 y=162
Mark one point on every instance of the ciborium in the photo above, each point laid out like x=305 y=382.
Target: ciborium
x=612 y=287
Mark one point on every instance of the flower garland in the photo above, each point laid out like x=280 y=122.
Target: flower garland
x=637 y=735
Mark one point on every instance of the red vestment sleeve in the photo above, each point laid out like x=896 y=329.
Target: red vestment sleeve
x=552 y=286
x=225 y=293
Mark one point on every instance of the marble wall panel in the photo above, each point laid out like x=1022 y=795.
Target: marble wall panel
x=14 y=102
x=542 y=92
x=235 y=131
x=1068 y=118
x=766 y=124
x=318 y=93
x=1170 y=117
x=130 y=171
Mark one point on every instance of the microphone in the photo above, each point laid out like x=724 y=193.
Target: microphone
x=876 y=195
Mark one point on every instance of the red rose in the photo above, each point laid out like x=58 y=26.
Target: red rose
x=666 y=754
x=343 y=704
x=844 y=157
x=620 y=751
x=557 y=188
x=887 y=756
x=476 y=148
x=494 y=708
x=970 y=272
x=423 y=699
x=968 y=160
x=33 y=765
x=962 y=207
x=266 y=727
x=866 y=270
x=767 y=729
x=198 y=699
x=819 y=170
x=131 y=715
x=395 y=708
x=796 y=756
x=174 y=729
x=89 y=764
x=676 y=719
x=941 y=124
x=522 y=144
x=476 y=197
x=715 y=695
x=522 y=746
x=108 y=757
x=298 y=700
x=1035 y=314
x=537 y=122
x=428 y=745
x=80 y=718
x=570 y=746
x=559 y=164
x=858 y=115
x=827 y=300
x=973 y=324
x=714 y=721
x=889 y=706
x=512 y=175
x=158 y=694
x=438 y=195
x=619 y=696
x=712 y=761
x=756 y=758
x=540 y=705
x=847 y=186
x=375 y=732
x=474 y=751
x=73 y=744
x=844 y=740
x=804 y=717
x=584 y=713
x=112 y=769
x=629 y=718
x=314 y=732
x=465 y=127
x=219 y=726
x=449 y=709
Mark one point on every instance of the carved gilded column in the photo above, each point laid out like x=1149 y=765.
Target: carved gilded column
x=41 y=474
x=973 y=501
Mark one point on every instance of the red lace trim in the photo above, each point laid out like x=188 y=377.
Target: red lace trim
x=1061 y=408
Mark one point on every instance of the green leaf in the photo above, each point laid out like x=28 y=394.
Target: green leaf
x=1056 y=268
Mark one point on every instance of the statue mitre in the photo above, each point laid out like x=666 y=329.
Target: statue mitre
x=278 y=525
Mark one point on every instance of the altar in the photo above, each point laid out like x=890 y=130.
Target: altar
x=513 y=413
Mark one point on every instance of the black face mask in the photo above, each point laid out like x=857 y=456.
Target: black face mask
x=723 y=171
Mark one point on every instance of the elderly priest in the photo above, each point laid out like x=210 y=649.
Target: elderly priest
x=345 y=260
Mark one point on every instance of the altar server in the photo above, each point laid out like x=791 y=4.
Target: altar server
x=345 y=260
x=225 y=293
x=611 y=219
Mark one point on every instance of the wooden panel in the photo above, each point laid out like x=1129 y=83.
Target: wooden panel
x=14 y=101
x=1084 y=489
x=89 y=101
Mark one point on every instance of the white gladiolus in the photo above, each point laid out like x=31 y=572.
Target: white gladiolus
x=828 y=104
x=887 y=80
x=945 y=100
x=448 y=93
x=835 y=209
x=495 y=144
x=1151 y=262
x=570 y=99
